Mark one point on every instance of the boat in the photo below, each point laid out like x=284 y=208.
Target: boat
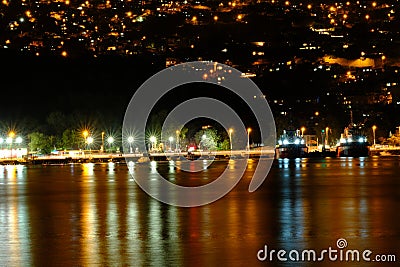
x=352 y=144
x=291 y=145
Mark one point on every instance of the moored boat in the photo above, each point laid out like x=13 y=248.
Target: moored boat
x=291 y=145
x=352 y=144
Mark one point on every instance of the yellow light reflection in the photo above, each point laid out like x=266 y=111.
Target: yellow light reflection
x=89 y=244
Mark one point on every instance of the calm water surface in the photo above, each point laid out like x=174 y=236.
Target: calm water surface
x=96 y=215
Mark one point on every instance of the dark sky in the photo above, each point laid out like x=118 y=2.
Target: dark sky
x=34 y=87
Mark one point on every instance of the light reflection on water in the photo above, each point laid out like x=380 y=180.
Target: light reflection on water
x=95 y=214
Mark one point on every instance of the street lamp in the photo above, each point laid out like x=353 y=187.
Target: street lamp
x=102 y=141
x=248 y=138
x=153 y=141
x=85 y=134
x=130 y=141
x=89 y=141
x=110 y=140
x=373 y=132
x=230 y=137
x=302 y=131
x=170 y=142
x=9 y=141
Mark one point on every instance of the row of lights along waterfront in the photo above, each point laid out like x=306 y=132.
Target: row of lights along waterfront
x=153 y=140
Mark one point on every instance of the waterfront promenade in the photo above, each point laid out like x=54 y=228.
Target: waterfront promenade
x=135 y=157
x=162 y=156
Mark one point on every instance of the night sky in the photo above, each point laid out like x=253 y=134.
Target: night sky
x=33 y=87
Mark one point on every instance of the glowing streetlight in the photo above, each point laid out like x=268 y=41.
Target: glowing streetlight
x=248 y=138
x=302 y=131
x=102 y=141
x=85 y=135
x=110 y=140
x=130 y=141
x=383 y=59
x=9 y=140
x=373 y=132
x=90 y=140
x=230 y=137
x=153 y=141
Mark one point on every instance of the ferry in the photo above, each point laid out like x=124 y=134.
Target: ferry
x=352 y=144
x=291 y=145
